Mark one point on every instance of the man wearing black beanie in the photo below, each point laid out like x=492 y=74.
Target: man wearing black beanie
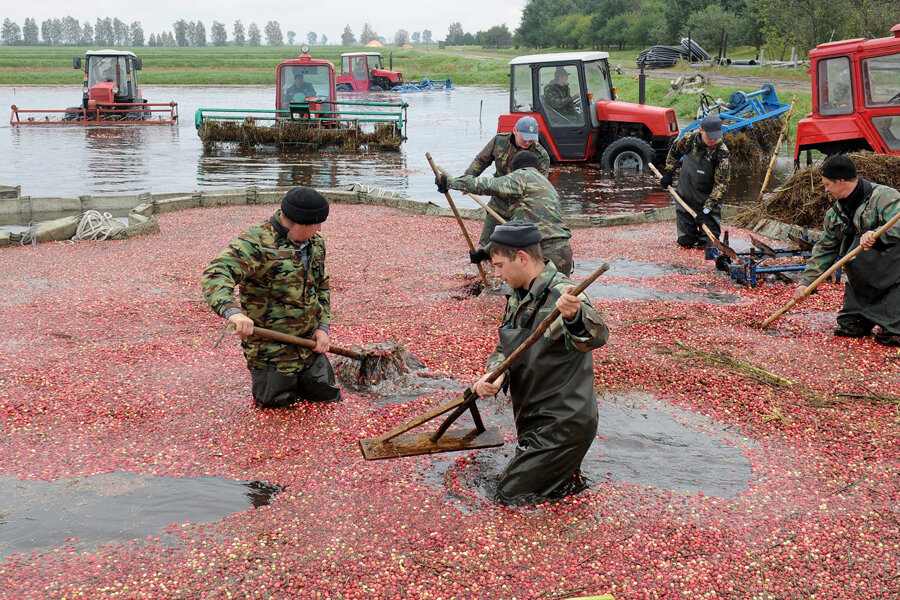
x=872 y=295
x=280 y=268
x=531 y=198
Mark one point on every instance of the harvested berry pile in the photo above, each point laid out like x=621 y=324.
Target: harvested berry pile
x=109 y=364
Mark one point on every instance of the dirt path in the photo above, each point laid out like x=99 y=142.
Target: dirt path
x=733 y=78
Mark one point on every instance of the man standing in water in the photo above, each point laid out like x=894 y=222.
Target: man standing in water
x=501 y=151
x=872 y=294
x=280 y=268
x=552 y=384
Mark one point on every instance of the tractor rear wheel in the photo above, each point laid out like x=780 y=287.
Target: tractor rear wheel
x=627 y=154
x=345 y=87
x=375 y=88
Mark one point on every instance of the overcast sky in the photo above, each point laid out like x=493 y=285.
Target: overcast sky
x=322 y=16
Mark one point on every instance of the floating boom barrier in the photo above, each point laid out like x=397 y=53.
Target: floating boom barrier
x=426 y=85
x=307 y=125
x=120 y=113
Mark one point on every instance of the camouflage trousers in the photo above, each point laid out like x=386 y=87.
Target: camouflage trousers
x=315 y=383
x=559 y=251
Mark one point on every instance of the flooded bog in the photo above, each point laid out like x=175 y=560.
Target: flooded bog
x=452 y=125
x=42 y=515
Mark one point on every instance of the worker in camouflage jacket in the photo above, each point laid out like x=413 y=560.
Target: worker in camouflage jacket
x=552 y=383
x=560 y=98
x=280 y=268
x=872 y=294
x=500 y=151
x=531 y=198
x=702 y=183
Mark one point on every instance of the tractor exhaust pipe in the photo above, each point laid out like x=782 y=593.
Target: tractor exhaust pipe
x=642 y=86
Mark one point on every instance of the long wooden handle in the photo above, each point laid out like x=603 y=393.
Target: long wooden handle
x=727 y=250
x=787 y=124
x=480 y=202
x=458 y=220
x=299 y=341
x=809 y=289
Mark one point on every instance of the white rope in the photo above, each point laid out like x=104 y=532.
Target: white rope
x=30 y=235
x=94 y=226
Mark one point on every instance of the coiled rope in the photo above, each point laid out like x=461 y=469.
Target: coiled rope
x=95 y=226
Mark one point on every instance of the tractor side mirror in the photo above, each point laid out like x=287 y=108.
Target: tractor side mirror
x=76 y=63
x=137 y=64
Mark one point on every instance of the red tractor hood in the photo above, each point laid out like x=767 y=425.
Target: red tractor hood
x=656 y=118
x=102 y=92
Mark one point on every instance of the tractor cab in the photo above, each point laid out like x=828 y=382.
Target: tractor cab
x=572 y=97
x=364 y=72
x=109 y=76
x=856 y=98
x=304 y=84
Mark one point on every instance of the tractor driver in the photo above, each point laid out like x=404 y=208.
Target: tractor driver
x=109 y=71
x=560 y=98
x=552 y=383
x=306 y=90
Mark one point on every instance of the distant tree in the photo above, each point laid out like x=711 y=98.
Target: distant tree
x=200 y=34
x=137 y=34
x=56 y=31
x=347 y=37
x=401 y=37
x=426 y=36
x=103 y=32
x=273 y=34
x=536 y=27
x=151 y=40
x=368 y=34
x=87 y=34
x=290 y=36
x=217 y=34
x=311 y=37
x=239 y=38
x=31 y=35
x=10 y=33
x=181 y=32
x=496 y=36
x=70 y=31
x=47 y=32
x=416 y=37
x=254 y=36
x=120 y=32
x=648 y=26
x=706 y=28
x=323 y=39
x=455 y=34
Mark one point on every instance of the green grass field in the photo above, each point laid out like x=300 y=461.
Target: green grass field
x=467 y=65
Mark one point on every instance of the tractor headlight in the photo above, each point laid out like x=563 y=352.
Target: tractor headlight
x=304 y=48
x=115 y=89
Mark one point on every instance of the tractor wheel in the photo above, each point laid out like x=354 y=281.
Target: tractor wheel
x=375 y=88
x=345 y=87
x=627 y=154
x=72 y=113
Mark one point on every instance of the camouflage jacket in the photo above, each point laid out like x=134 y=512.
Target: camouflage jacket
x=591 y=332
x=876 y=210
x=531 y=197
x=560 y=99
x=718 y=155
x=276 y=291
x=501 y=150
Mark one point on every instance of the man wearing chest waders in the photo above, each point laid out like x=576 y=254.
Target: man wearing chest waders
x=552 y=383
x=704 y=177
x=872 y=294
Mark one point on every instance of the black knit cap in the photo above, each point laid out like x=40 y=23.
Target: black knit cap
x=839 y=167
x=304 y=206
x=517 y=234
x=524 y=159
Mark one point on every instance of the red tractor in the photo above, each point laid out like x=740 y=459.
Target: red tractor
x=110 y=94
x=363 y=72
x=572 y=97
x=305 y=80
x=855 y=100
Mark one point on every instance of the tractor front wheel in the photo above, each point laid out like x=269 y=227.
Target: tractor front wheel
x=345 y=87
x=627 y=154
x=375 y=88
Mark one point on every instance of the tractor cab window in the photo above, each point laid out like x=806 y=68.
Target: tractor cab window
x=561 y=95
x=301 y=82
x=881 y=80
x=106 y=68
x=599 y=85
x=358 y=68
x=522 y=99
x=835 y=88
x=375 y=62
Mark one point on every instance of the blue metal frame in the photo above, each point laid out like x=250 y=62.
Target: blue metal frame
x=744 y=110
x=751 y=267
x=426 y=85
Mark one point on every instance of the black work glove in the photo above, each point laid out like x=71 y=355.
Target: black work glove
x=478 y=256
x=704 y=219
x=666 y=180
x=441 y=182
